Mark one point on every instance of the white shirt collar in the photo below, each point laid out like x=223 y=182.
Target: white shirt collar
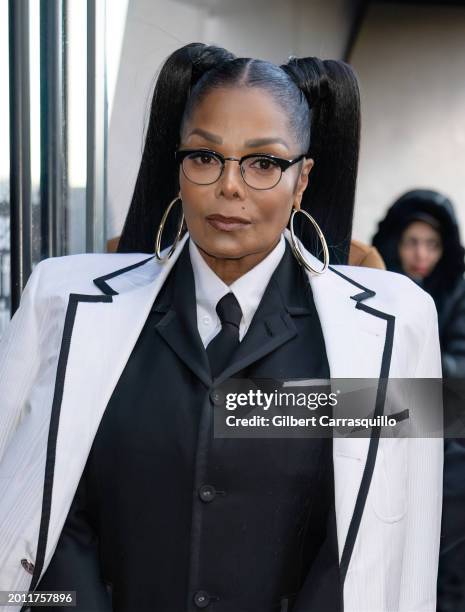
x=248 y=289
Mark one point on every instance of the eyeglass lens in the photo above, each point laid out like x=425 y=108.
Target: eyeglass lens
x=258 y=172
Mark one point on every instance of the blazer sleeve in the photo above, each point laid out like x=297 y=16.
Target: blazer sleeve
x=30 y=342
x=20 y=357
x=425 y=467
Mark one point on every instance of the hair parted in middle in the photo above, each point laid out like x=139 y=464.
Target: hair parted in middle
x=322 y=102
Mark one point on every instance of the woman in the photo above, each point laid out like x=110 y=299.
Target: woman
x=115 y=485
x=420 y=237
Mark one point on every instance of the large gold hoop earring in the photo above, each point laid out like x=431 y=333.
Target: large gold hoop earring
x=297 y=250
x=160 y=232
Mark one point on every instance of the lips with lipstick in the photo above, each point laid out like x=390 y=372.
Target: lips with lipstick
x=227 y=224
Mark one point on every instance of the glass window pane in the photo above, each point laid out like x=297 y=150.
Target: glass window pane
x=34 y=64
x=76 y=96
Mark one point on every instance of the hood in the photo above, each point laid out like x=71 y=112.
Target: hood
x=432 y=207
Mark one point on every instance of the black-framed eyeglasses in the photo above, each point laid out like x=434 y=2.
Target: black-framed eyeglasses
x=258 y=170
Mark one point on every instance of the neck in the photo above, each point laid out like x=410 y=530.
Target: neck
x=230 y=269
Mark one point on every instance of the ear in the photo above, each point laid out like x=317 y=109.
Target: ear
x=302 y=181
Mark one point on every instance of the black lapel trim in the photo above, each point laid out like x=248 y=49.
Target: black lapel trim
x=374 y=439
x=367 y=293
x=105 y=287
x=375 y=432
x=74 y=299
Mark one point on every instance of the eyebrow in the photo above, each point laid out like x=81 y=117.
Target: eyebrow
x=207 y=135
x=257 y=142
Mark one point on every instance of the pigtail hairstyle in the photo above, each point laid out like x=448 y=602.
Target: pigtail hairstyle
x=321 y=101
x=332 y=93
x=157 y=180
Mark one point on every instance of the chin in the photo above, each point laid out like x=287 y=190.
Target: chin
x=417 y=276
x=224 y=249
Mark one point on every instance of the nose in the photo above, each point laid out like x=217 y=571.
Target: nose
x=422 y=252
x=231 y=181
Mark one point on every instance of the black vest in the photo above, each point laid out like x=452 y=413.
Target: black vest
x=181 y=520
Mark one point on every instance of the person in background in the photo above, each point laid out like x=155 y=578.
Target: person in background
x=420 y=237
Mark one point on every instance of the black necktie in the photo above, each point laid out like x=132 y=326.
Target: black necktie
x=221 y=348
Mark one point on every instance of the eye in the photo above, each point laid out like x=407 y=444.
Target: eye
x=262 y=164
x=203 y=158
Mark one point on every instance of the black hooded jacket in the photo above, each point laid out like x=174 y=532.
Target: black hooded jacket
x=446 y=283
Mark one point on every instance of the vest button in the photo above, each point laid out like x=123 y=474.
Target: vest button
x=201 y=599
x=207 y=493
x=216 y=397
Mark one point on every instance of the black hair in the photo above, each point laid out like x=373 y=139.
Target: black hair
x=321 y=99
x=248 y=72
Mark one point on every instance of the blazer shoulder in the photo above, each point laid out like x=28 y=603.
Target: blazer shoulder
x=75 y=273
x=394 y=292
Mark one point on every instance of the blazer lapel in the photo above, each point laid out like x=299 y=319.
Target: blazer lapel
x=358 y=340
x=179 y=325
x=99 y=334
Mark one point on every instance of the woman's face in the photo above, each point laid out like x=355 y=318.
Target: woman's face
x=235 y=122
x=420 y=249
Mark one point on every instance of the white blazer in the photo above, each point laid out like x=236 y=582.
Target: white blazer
x=66 y=347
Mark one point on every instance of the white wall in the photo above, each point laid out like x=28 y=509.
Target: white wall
x=273 y=29
x=267 y=29
x=411 y=64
